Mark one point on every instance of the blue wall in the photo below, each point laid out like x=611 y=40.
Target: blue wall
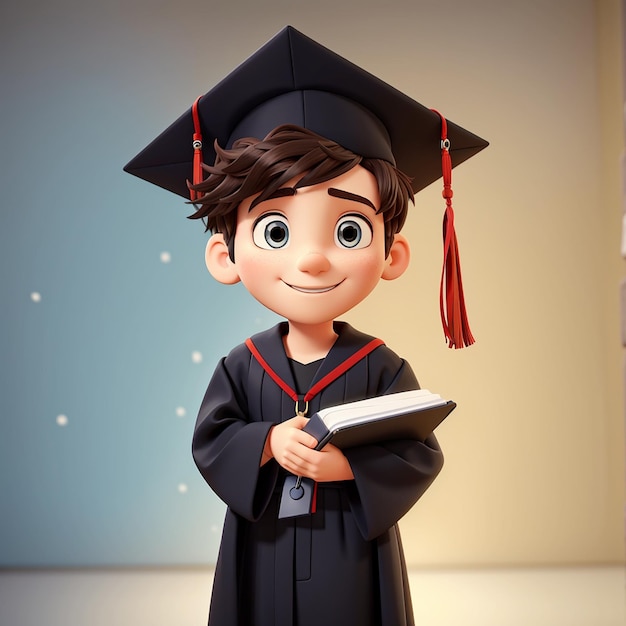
x=99 y=389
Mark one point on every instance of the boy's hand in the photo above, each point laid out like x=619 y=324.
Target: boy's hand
x=286 y=440
x=292 y=449
x=325 y=465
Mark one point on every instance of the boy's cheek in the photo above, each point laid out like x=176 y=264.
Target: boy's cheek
x=259 y=275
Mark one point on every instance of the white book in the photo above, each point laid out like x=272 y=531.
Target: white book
x=405 y=415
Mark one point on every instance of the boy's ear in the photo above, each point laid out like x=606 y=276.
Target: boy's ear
x=398 y=259
x=218 y=261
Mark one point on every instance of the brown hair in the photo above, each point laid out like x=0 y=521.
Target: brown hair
x=254 y=166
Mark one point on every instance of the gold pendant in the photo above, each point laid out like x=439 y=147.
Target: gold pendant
x=300 y=413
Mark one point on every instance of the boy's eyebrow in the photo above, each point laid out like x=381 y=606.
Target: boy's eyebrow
x=346 y=195
x=279 y=193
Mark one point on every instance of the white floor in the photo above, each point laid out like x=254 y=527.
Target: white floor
x=493 y=597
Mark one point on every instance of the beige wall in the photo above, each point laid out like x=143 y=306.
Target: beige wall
x=535 y=449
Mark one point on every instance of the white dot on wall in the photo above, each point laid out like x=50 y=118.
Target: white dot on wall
x=35 y=296
x=182 y=488
x=62 y=420
x=166 y=257
x=180 y=411
x=196 y=356
x=215 y=528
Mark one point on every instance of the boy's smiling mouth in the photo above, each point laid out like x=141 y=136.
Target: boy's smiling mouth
x=314 y=289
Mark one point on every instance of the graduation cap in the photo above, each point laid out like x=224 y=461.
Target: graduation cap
x=294 y=80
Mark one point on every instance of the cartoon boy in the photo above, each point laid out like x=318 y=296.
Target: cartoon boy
x=305 y=204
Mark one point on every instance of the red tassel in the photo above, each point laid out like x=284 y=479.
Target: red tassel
x=197 y=150
x=451 y=298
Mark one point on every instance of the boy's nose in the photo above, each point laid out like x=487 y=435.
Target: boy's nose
x=313 y=263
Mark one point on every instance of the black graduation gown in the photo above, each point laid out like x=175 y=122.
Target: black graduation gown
x=343 y=564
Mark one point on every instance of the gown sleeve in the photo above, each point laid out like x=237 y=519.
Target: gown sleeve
x=390 y=477
x=227 y=447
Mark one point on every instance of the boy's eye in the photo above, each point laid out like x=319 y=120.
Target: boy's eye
x=353 y=231
x=271 y=231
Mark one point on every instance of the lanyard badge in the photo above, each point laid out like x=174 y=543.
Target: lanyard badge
x=299 y=494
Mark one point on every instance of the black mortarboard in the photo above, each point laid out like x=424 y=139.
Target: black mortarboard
x=294 y=80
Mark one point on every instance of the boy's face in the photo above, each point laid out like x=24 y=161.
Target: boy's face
x=312 y=255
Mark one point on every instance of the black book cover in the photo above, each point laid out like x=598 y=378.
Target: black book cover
x=408 y=415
